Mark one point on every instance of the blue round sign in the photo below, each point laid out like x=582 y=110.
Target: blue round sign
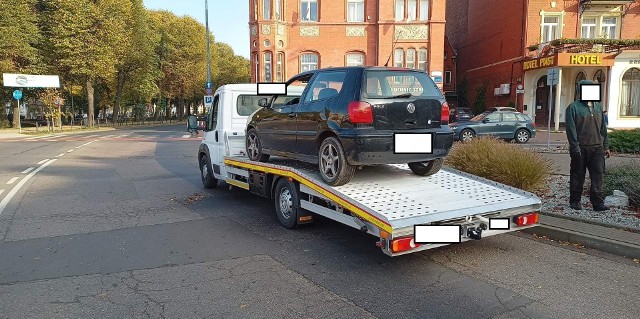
x=17 y=94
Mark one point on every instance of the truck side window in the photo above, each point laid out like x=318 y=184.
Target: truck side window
x=213 y=119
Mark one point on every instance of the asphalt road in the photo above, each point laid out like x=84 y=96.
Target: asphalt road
x=117 y=225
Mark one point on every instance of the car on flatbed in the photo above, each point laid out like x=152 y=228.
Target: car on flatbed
x=351 y=117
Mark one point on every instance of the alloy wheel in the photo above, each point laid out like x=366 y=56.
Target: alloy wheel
x=523 y=136
x=467 y=135
x=252 y=148
x=329 y=161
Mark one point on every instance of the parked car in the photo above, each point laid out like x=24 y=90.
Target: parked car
x=508 y=125
x=351 y=116
x=460 y=114
x=502 y=108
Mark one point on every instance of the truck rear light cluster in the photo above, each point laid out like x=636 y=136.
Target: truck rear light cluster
x=527 y=219
x=360 y=112
x=403 y=244
x=444 y=114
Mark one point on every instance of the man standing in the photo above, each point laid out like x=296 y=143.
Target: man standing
x=588 y=146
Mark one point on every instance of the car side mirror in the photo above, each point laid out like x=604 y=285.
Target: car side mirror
x=263 y=102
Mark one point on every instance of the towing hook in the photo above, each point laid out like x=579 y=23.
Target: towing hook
x=474 y=233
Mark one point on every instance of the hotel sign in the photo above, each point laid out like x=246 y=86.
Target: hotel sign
x=539 y=63
x=569 y=59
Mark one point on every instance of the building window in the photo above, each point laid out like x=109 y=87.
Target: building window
x=279 y=67
x=422 y=59
x=399 y=10
x=411 y=58
x=630 y=94
x=266 y=9
x=308 y=62
x=610 y=27
x=412 y=10
x=589 y=27
x=255 y=9
x=447 y=77
x=398 y=58
x=267 y=66
x=424 y=10
x=256 y=67
x=355 y=10
x=309 y=10
x=278 y=10
x=550 y=28
x=355 y=59
x=581 y=76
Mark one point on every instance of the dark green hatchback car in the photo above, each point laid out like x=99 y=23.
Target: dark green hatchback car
x=508 y=125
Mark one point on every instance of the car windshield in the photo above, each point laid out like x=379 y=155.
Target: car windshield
x=480 y=117
x=385 y=84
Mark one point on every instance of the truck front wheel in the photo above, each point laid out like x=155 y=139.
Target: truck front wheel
x=206 y=173
x=287 y=203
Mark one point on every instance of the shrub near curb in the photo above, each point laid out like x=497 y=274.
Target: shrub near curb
x=624 y=178
x=625 y=141
x=501 y=162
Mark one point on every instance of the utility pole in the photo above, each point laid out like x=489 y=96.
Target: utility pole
x=206 y=14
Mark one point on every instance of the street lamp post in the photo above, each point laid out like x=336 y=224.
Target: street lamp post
x=206 y=8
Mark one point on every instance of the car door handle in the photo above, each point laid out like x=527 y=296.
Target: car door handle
x=292 y=114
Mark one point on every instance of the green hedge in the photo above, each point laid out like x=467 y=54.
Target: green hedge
x=625 y=141
x=626 y=179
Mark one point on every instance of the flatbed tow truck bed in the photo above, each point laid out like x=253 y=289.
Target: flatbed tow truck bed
x=390 y=202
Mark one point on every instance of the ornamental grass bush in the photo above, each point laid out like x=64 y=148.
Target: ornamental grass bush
x=501 y=162
x=625 y=141
x=625 y=178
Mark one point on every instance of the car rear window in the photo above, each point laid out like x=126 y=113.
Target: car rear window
x=247 y=104
x=389 y=83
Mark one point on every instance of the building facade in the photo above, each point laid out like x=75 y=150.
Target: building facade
x=506 y=45
x=292 y=36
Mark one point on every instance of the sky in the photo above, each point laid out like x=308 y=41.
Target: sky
x=229 y=25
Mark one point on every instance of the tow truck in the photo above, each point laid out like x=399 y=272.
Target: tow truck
x=406 y=212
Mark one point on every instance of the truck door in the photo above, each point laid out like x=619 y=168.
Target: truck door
x=213 y=137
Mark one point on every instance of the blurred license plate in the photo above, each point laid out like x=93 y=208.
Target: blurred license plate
x=413 y=143
x=437 y=234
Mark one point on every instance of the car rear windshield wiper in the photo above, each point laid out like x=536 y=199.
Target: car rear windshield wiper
x=400 y=96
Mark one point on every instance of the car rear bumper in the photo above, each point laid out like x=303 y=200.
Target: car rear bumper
x=373 y=149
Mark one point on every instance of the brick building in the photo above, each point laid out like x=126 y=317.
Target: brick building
x=501 y=45
x=291 y=36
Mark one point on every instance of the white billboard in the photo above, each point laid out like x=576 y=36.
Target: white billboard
x=30 y=81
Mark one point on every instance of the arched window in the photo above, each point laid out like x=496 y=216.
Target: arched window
x=398 y=58
x=308 y=61
x=411 y=58
x=256 y=67
x=581 y=76
x=280 y=67
x=600 y=77
x=267 y=59
x=354 y=59
x=630 y=93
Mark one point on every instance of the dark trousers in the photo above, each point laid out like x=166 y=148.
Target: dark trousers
x=591 y=158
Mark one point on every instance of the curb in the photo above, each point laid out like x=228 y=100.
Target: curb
x=592 y=235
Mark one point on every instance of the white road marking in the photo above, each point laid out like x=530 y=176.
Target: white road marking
x=61 y=155
x=1 y=191
x=91 y=136
x=13 y=180
x=186 y=136
x=27 y=170
x=69 y=151
x=6 y=199
x=42 y=161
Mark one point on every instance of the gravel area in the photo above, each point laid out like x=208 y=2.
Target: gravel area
x=555 y=200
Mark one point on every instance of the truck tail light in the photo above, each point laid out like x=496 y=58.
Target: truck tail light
x=403 y=244
x=527 y=219
x=360 y=112
x=444 y=114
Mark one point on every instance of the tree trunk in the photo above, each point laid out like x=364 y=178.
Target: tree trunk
x=119 y=86
x=91 y=110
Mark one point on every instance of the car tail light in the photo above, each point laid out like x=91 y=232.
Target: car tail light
x=360 y=112
x=527 y=219
x=444 y=114
x=403 y=244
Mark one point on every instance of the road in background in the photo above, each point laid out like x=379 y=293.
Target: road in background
x=119 y=225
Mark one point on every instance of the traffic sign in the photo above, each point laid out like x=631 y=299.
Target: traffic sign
x=17 y=94
x=552 y=76
x=208 y=100
x=208 y=85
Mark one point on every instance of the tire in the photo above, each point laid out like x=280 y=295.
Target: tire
x=522 y=136
x=333 y=165
x=287 y=203
x=466 y=135
x=206 y=173
x=426 y=168
x=254 y=147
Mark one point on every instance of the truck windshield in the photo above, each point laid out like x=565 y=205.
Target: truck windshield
x=398 y=83
x=247 y=104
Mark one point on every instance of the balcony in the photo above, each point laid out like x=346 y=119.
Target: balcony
x=582 y=45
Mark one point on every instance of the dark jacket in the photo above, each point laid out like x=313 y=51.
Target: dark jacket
x=586 y=126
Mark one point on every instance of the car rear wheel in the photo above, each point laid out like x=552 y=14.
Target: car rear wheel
x=522 y=136
x=426 y=168
x=254 y=147
x=333 y=165
x=467 y=135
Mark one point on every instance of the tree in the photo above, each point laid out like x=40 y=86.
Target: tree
x=462 y=93
x=480 y=105
x=51 y=102
x=231 y=68
x=19 y=43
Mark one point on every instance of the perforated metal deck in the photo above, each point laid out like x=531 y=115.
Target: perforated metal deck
x=394 y=194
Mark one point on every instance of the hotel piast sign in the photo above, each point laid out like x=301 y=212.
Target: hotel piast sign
x=568 y=60
x=539 y=63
